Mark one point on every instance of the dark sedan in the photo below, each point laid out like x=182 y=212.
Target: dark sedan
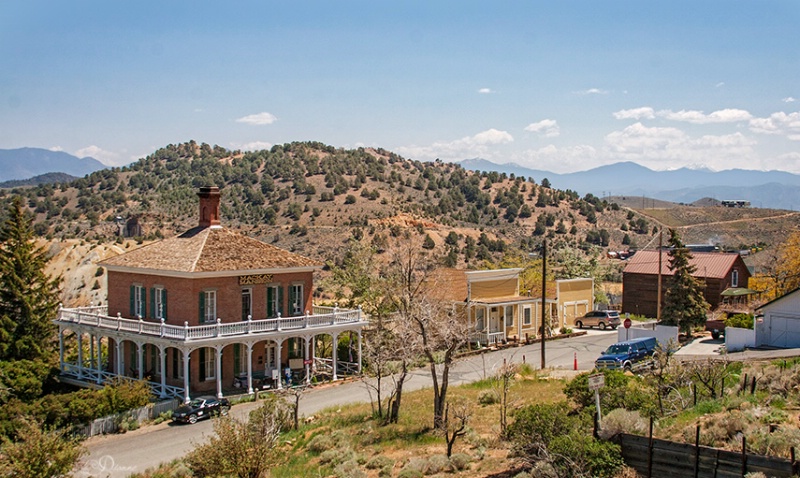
x=199 y=408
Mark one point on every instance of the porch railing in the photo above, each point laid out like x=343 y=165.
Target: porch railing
x=488 y=338
x=102 y=377
x=97 y=317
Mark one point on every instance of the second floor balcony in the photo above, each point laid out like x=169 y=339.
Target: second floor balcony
x=319 y=318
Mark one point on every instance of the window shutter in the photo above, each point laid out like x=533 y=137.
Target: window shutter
x=270 y=302
x=152 y=303
x=143 y=300
x=280 y=302
x=164 y=303
x=202 y=307
x=133 y=301
x=202 y=352
x=292 y=299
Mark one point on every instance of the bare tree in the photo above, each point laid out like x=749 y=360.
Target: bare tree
x=456 y=425
x=441 y=328
x=505 y=379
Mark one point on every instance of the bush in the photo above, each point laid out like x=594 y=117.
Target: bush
x=742 y=321
x=622 y=421
x=620 y=391
x=488 y=397
x=379 y=461
x=460 y=461
x=437 y=464
x=321 y=443
x=349 y=469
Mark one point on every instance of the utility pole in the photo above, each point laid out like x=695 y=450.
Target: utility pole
x=660 y=249
x=544 y=295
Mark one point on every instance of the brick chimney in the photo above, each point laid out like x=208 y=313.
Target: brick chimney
x=209 y=206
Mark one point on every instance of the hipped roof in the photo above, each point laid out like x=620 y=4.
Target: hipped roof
x=210 y=249
x=714 y=265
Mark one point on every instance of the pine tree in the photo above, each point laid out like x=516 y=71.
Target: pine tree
x=684 y=304
x=28 y=296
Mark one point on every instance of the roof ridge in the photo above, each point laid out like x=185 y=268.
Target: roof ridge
x=206 y=233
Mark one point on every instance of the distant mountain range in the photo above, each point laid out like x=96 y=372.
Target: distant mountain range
x=25 y=163
x=766 y=189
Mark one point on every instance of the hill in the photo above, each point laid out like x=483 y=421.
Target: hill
x=47 y=178
x=769 y=189
x=313 y=199
x=24 y=163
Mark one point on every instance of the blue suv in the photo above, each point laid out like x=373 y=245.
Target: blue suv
x=628 y=355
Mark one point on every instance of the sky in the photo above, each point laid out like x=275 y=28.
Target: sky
x=560 y=85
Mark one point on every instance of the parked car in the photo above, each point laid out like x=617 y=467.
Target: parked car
x=629 y=355
x=599 y=318
x=199 y=408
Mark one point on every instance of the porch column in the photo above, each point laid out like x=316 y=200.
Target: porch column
x=307 y=360
x=140 y=359
x=80 y=354
x=359 y=351
x=118 y=356
x=335 y=354
x=91 y=351
x=218 y=364
x=61 y=349
x=186 y=398
x=250 y=368
x=162 y=358
x=99 y=362
x=278 y=363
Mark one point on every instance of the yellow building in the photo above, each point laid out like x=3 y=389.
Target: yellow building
x=497 y=312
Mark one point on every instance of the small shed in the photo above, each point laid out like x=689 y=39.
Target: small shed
x=780 y=324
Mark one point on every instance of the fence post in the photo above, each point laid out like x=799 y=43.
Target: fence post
x=650 y=452
x=795 y=468
x=744 y=455
x=697 y=452
x=694 y=393
x=753 y=386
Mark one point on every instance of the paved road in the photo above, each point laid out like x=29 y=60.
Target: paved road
x=117 y=456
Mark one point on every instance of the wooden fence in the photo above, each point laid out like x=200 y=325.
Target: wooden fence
x=110 y=424
x=652 y=457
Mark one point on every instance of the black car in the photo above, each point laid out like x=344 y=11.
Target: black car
x=199 y=408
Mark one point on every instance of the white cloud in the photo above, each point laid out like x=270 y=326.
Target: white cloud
x=547 y=128
x=485 y=91
x=479 y=145
x=258 y=119
x=560 y=160
x=789 y=99
x=106 y=157
x=662 y=148
x=252 y=146
x=779 y=123
x=592 y=91
x=56 y=148
x=720 y=84
x=644 y=112
x=729 y=115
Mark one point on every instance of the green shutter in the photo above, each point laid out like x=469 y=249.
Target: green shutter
x=270 y=301
x=237 y=366
x=202 y=306
x=164 y=303
x=133 y=301
x=202 y=351
x=280 y=302
x=152 y=314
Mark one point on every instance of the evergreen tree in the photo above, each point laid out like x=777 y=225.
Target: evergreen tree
x=28 y=296
x=684 y=304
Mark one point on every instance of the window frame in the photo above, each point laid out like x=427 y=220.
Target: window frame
x=527 y=315
x=247 y=292
x=296 y=299
x=210 y=306
x=210 y=364
x=735 y=278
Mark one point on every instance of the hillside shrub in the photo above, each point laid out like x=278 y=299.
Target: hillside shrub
x=622 y=421
x=742 y=321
